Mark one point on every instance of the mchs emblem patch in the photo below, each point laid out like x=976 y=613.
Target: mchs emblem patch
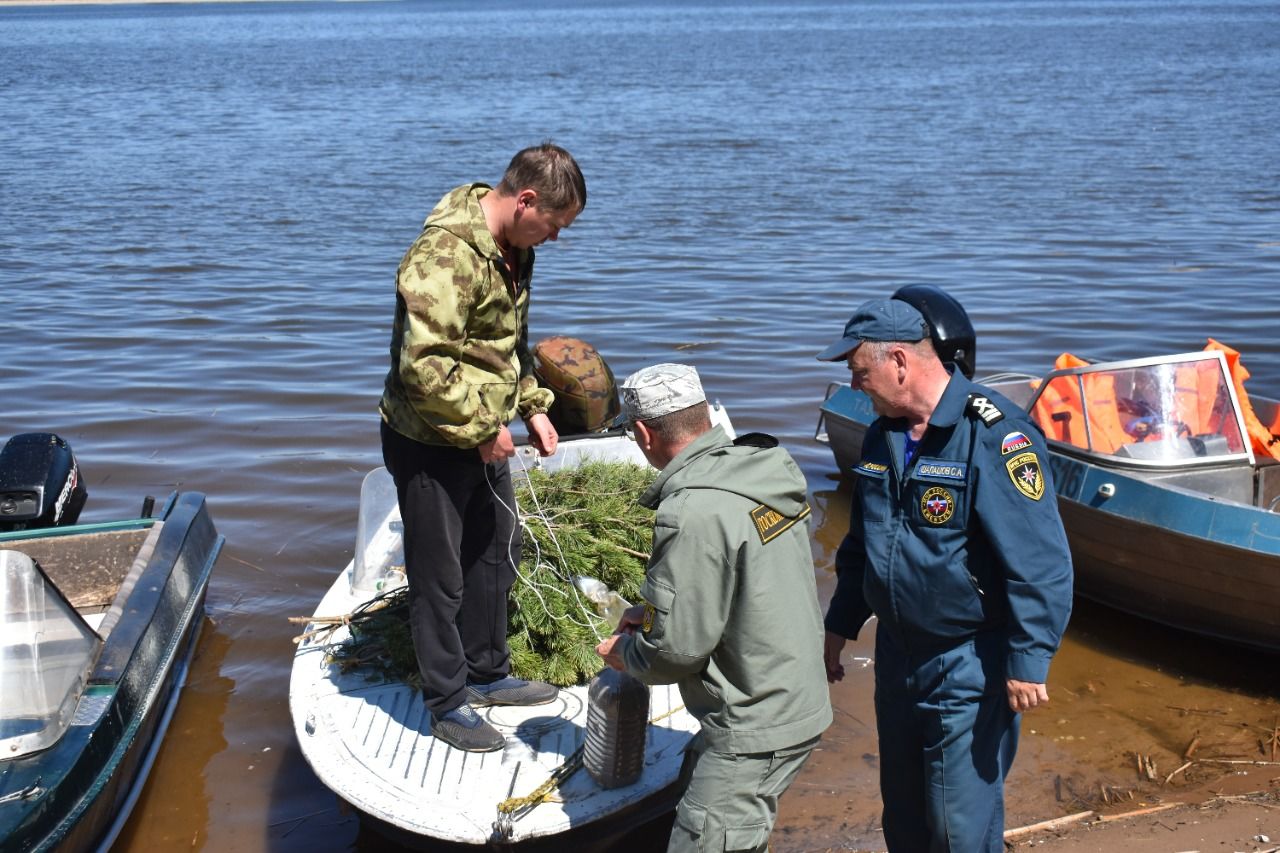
x=937 y=505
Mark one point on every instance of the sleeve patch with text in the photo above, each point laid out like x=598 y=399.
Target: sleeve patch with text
x=770 y=523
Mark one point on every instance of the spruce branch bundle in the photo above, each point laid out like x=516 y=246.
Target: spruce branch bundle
x=581 y=521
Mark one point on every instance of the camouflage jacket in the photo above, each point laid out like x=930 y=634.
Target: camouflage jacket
x=460 y=365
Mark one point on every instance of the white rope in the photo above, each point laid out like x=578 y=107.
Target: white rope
x=539 y=561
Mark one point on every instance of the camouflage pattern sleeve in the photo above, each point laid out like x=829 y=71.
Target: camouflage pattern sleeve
x=437 y=281
x=534 y=400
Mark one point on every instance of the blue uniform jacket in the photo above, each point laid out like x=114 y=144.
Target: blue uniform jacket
x=968 y=540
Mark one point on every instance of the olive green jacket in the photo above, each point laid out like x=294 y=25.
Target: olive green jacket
x=731 y=606
x=460 y=365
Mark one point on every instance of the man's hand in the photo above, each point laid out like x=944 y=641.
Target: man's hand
x=610 y=648
x=832 y=645
x=542 y=434
x=499 y=447
x=632 y=618
x=1025 y=695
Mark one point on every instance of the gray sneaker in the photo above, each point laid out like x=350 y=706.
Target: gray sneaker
x=462 y=728
x=511 y=691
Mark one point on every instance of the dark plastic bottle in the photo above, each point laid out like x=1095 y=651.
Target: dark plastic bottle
x=617 y=721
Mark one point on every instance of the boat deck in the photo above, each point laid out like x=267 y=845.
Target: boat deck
x=372 y=743
x=88 y=569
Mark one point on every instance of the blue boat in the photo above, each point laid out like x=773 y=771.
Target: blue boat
x=1170 y=513
x=97 y=625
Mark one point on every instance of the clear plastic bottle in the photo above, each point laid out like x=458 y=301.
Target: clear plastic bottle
x=608 y=603
x=617 y=725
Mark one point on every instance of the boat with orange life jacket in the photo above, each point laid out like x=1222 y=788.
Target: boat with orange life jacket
x=1167 y=473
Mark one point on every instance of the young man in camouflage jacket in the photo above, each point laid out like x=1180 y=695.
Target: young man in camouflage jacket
x=460 y=372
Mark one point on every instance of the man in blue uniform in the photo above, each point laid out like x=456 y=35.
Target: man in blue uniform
x=956 y=546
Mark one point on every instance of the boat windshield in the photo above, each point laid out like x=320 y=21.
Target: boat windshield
x=379 y=557
x=1165 y=411
x=46 y=651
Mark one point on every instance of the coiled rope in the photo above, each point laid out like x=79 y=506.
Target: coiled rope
x=513 y=808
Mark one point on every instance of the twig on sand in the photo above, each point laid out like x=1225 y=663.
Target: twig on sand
x=1169 y=778
x=1212 y=712
x=1106 y=818
x=1046 y=825
x=1146 y=766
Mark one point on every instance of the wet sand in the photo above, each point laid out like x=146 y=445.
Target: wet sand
x=1077 y=755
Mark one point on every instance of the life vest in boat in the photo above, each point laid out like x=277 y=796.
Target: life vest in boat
x=1263 y=439
x=1060 y=413
x=1198 y=400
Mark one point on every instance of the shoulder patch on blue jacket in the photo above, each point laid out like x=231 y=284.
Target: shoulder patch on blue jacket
x=1013 y=442
x=982 y=407
x=771 y=524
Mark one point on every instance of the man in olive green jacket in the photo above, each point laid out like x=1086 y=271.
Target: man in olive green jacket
x=460 y=372
x=731 y=612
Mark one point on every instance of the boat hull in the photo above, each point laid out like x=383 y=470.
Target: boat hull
x=1151 y=552
x=83 y=787
x=1162 y=553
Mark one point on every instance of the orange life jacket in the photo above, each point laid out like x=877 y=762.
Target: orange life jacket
x=1197 y=399
x=1264 y=443
x=1060 y=414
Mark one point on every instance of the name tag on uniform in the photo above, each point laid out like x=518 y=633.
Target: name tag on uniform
x=941 y=469
x=871 y=469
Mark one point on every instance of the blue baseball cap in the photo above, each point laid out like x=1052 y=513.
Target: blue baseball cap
x=878 y=320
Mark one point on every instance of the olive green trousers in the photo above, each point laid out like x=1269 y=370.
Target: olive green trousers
x=731 y=801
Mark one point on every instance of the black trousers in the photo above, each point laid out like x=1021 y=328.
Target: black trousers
x=461 y=549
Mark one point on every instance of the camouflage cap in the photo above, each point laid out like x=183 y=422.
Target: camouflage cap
x=660 y=390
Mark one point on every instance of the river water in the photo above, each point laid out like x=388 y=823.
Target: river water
x=203 y=207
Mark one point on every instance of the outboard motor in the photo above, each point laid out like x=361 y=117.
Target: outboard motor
x=586 y=393
x=40 y=483
x=953 y=337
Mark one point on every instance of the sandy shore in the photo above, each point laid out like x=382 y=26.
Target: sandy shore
x=1243 y=822
x=1210 y=780
x=1240 y=823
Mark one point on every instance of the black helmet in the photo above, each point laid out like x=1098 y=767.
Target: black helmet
x=953 y=335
